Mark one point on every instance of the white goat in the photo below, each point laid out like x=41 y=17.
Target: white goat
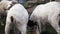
x=19 y=17
x=49 y=12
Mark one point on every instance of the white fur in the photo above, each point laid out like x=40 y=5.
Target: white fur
x=20 y=14
x=5 y=5
x=47 y=13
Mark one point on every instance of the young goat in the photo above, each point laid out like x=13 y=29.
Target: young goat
x=17 y=16
x=50 y=13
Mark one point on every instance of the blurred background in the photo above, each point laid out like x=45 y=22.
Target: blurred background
x=30 y=5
